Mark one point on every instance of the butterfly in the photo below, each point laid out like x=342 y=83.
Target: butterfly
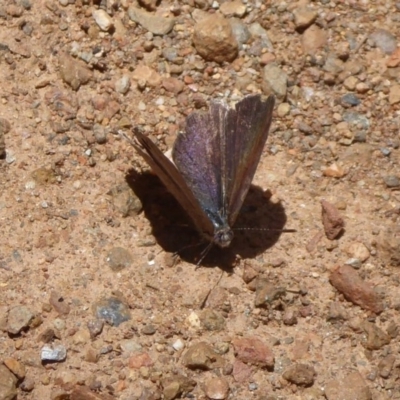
x=214 y=162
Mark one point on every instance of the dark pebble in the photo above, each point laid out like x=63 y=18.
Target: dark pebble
x=392 y=181
x=350 y=100
x=112 y=310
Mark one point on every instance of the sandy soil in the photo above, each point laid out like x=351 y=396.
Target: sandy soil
x=100 y=295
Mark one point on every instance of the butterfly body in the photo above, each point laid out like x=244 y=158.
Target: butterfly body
x=214 y=162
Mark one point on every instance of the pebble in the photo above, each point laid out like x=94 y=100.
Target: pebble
x=334 y=171
x=58 y=303
x=177 y=386
x=258 y=32
x=84 y=393
x=125 y=201
x=112 y=310
x=214 y=40
x=354 y=263
x=350 y=100
x=241 y=372
x=350 y=83
x=103 y=20
x=100 y=134
x=337 y=312
x=123 y=84
x=55 y=353
x=95 y=327
x=249 y=273
x=234 y=8
x=59 y=324
x=252 y=350
x=173 y=85
x=348 y=387
x=275 y=80
x=267 y=293
x=150 y=5
x=358 y=251
x=394 y=94
x=212 y=320
x=8 y=384
x=119 y=258
x=388 y=244
x=289 y=318
x=283 y=109
x=73 y=72
x=19 y=318
x=193 y=320
x=384 y=40
x=216 y=388
x=140 y=360
x=331 y=219
x=17 y=368
x=392 y=181
x=201 y=356
x=348 y=282
x=130 y=346
x=28 y=384
x=300 y=374
x=5 y=127
x=333 y=65
x=10 y=157
x=240 y=31
x=149 y=329
x=178 y=345
x=313 y=39
x=394 y=59
x=376 y=338
x=385 y=366
x=304 y=17
x=146 y=76
x=153 y=23
x=356 y=119
x=82 y=336
x=14 y=10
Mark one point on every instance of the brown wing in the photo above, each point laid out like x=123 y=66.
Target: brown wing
x=173 y=181
x=245 y=134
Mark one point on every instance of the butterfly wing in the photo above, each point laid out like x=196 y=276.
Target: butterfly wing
x=173 y=181
x=197 y=155
x=246 y=131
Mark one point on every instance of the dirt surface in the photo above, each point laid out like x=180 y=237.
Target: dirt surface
x=93 y=302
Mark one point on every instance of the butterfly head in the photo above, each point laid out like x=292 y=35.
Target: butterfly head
x=223 y=237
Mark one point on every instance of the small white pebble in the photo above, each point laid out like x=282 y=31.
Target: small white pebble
x=178 y=345
x=30 y=185
x=160 y=101
x=77 y=184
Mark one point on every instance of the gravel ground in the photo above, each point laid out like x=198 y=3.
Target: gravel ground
x=94 y=302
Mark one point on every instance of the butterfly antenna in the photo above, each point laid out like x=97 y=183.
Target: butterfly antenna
x=203 y=303
x=266 y=229
x=204 y=254
x=127 y=138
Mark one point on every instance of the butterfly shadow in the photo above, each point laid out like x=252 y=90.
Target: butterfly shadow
x=257 y=228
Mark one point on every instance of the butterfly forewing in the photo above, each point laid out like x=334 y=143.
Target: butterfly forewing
x=173 y=181
x=246 y=132
x=197 y=155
